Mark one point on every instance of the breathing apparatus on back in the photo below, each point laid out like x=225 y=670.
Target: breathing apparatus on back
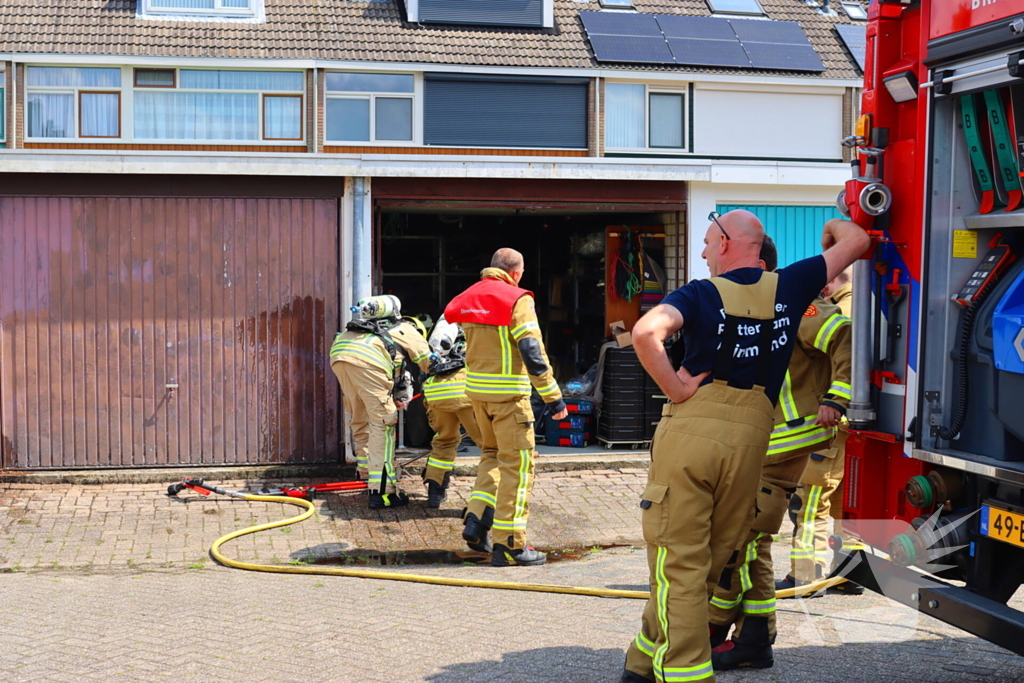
x=448 y=343
x=378 y=315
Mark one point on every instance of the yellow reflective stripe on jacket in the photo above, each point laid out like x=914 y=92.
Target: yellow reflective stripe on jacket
x=548 y=390
x=824 y=337
x=420 y=356
x=497 y=383
x=506 y=350
x=786 y=401
x=365 y=349
x=786 y=438
x=518 y=332
x=759 y=606
x=841 y=389
x=432 y=389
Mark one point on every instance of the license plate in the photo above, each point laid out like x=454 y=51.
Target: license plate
x=1002 y=525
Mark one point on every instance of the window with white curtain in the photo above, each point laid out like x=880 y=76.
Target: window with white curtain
x=370 y=107
x=72 y=102
x=228 y=8
x=218 y=106
x=639 y=116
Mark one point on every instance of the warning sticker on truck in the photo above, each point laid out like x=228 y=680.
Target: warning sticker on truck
x=965 y=244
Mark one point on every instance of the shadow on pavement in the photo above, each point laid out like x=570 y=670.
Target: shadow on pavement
x=568 y=664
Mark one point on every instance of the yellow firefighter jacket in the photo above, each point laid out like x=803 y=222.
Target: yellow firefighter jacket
x=843 y=298
x=447 y=392
x=819 y=374
x=368 y=350
x=495 y=371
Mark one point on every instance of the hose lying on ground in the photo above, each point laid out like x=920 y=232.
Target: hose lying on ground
x=436 y=580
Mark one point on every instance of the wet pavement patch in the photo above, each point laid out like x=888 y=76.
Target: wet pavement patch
x=376 y=558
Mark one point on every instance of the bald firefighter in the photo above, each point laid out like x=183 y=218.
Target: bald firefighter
x=739 y=328
x=448 y=408
x=814 y=397
x=823 y=478
x=368 y=359
x=504 y=357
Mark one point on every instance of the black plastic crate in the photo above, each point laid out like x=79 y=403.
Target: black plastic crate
x=635 y=434
x=621 y=420
x=650 y=426
x=623 y=405
x=653 y=402
x=623 y=394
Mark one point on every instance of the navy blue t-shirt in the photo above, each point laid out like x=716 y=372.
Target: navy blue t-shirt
x=703 y=318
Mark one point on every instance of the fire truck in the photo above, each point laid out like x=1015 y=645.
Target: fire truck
x=935 y=460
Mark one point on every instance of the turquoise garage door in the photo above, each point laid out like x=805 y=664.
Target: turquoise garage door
x=795 y=229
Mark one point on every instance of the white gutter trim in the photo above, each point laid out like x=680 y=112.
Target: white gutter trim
x=284 y=64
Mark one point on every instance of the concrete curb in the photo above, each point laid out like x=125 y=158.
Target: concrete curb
x=296 y=473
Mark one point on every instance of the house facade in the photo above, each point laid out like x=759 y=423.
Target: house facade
x=193 y=192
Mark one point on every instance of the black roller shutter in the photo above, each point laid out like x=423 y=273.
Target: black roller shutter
x=492 y=12
x=471 y=110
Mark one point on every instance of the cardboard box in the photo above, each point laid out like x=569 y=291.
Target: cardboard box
x=622 y=336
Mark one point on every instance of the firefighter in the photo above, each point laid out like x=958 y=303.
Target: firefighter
x=822 y=478
x=504 y=357
x=814 y=396
x=369 y=358
x=739 y=329
x=448 y=408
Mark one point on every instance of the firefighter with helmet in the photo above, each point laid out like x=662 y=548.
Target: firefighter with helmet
x=815 y=395
x=738 y=328
x=369 y=360
x=448 y=408
x=504 y=357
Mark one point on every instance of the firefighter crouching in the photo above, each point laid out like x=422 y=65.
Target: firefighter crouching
x=448 y=408
x=814 y=396
x=822 y=479
x=738 y=329
x=369 y=358
x=504 y=357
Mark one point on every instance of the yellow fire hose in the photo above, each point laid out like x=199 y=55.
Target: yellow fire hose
x=418 y=578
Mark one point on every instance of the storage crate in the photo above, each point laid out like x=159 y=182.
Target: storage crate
x=570 y=440
x=579 y=406
x=575 y=423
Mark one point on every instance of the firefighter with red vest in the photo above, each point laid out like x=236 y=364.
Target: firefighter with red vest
x=814 y=396
x=504 y=357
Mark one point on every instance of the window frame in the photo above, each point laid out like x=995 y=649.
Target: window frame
x=860 y=8
x=416 y=109
x=681 y=89
x=734 y=12
x=76 y=98
x=262 y=140
x=135 y=78
x=250 y=12
x=3 y=107
x=623 y=5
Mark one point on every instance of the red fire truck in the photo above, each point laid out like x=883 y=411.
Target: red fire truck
x=935 y=461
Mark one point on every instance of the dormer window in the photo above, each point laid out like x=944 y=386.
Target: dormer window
x=617 y=4
x=242 y=9
x=736 y=7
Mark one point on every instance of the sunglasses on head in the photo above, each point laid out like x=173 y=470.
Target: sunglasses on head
x=714 y=216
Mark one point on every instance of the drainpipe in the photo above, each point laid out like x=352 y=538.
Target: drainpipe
x=861 y=412
x=362 y=241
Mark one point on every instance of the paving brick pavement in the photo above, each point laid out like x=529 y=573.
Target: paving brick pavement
x=112 y=583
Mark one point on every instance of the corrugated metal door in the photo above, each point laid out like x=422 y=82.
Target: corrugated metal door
x=795 y=229
x=167 y=331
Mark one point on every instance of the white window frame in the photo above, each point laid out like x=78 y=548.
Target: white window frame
x=651 y=89
x=621 y=4
x=417 y=109
x=254 y=10
x=739 y=13
x=76 y=94
x=860 y=9
x=261 y=124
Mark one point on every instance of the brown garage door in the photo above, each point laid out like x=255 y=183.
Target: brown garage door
x=167 y=331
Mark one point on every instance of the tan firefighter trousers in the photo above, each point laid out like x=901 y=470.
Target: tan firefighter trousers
x=505 y=475
x=447 y=437
x=372 y=416
x=747 y=586
x=705 y=463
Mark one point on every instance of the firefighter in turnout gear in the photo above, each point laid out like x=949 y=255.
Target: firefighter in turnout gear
x=368 y=359
x=822 y=479
x=448 y=408
x=739 y=329
x=504 y=357
x=814 y=396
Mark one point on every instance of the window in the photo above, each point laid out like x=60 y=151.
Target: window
x=642 y=117
x=735 y=6
x=855 y=11
x=227 y=8
x=617 y=4
x=222 y=106
x=3 y=106
x=369 y=107
x=73 y=102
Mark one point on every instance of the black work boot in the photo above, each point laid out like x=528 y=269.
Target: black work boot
x=379 y=501
x=633 y=677
x=847 y=588
x=523 y=557
x=474 y=533
x=752 y=649
x=437 y=493
x=718 y=634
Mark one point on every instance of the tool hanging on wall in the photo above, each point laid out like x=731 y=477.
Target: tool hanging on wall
x=984 y=186
x=628 y=262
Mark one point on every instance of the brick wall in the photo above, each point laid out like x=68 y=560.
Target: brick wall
x=19 y=107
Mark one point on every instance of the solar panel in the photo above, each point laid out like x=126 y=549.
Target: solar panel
x=708 y=52
x=785 y=32
x=788 y=57
x=631 y=49
x=709 y=28
x=620 y=24
x=855 y=38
